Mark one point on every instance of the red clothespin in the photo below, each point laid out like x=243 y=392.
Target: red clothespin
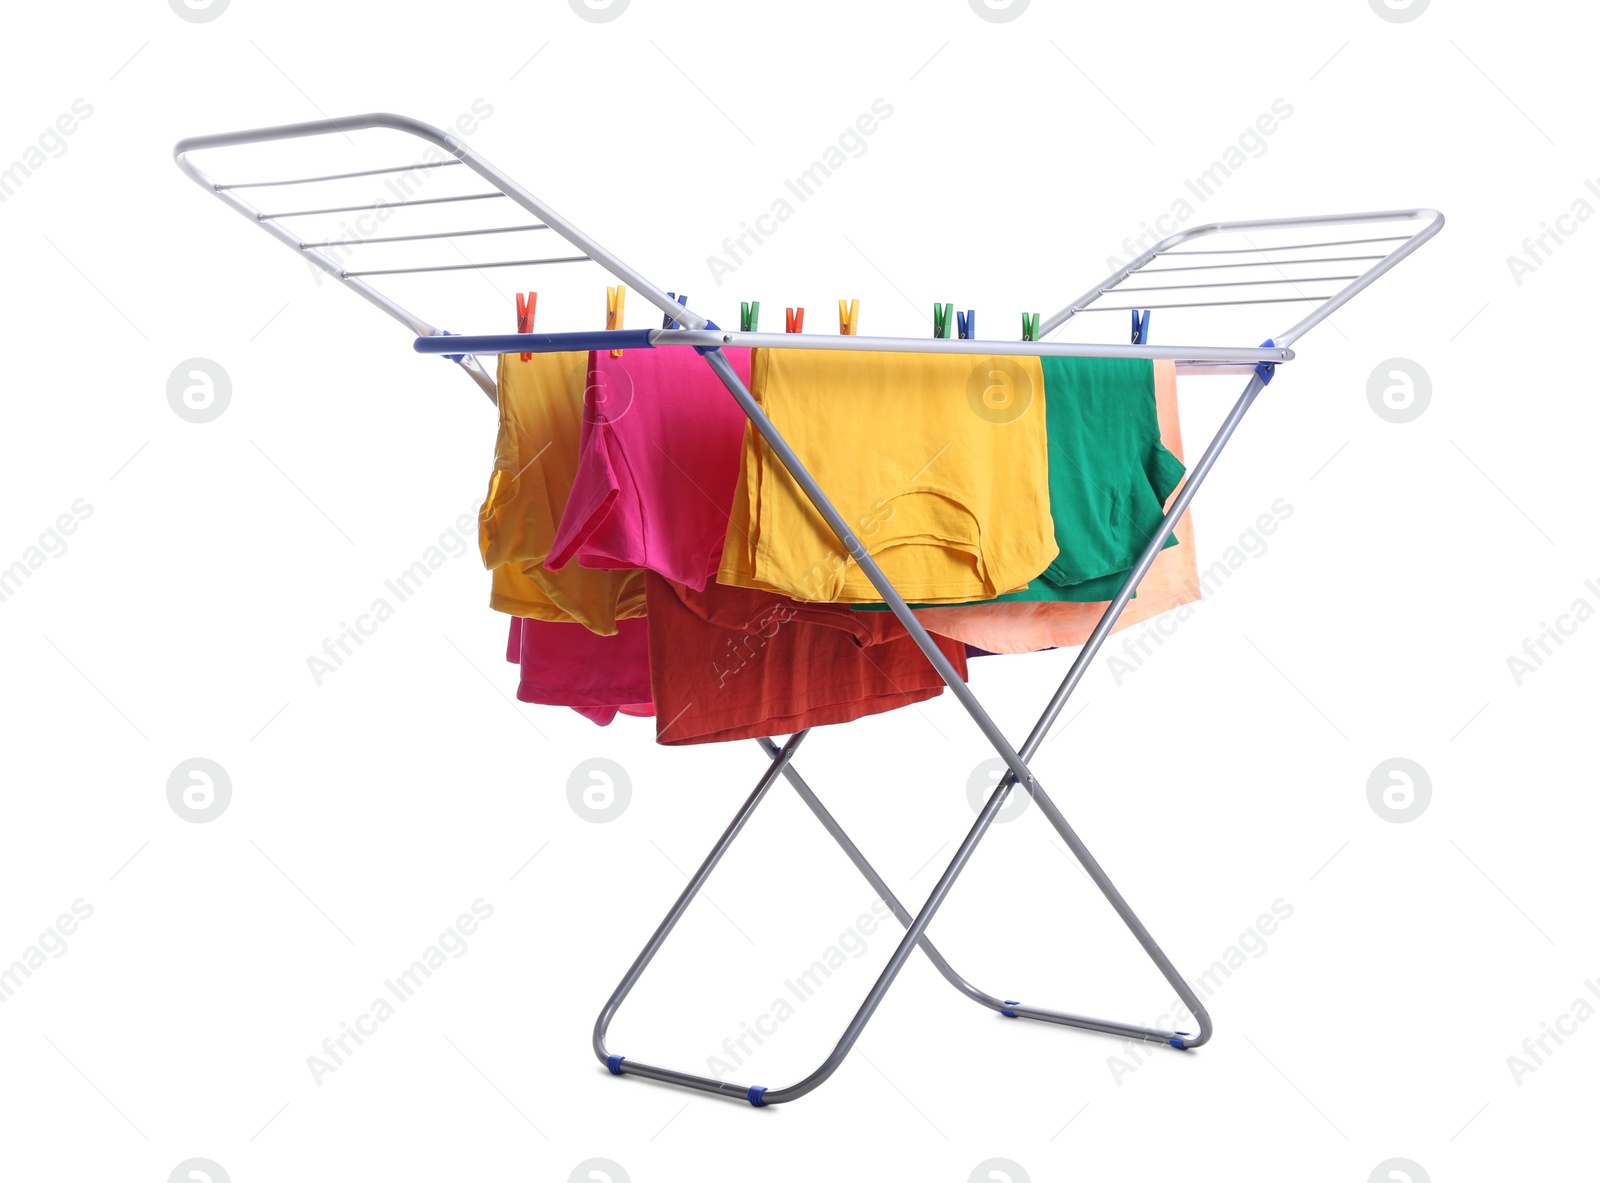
x=525 y=315
x=793 y=319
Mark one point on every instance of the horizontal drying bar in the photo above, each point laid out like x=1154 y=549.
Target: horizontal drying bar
x=714 y=338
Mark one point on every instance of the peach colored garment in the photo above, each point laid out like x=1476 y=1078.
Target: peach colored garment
x=1172 y=581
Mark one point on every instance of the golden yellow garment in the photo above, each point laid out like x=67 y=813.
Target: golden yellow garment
x=536 y=459
x=1172 y=581
x=937 y=462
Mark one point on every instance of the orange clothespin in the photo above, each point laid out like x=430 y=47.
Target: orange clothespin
x=847 y=317
x=793 y=319
x=525 y=315
x=614 y=301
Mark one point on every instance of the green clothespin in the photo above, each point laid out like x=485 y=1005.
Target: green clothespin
x=942 y=314
x=749 y=315
x=1030 y=326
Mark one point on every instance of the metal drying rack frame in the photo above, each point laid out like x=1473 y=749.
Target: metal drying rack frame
x=690 y=328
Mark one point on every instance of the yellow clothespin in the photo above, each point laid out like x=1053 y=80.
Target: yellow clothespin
x=614 y=301
x=848 y=314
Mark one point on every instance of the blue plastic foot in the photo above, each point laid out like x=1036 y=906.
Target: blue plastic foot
x=1177 y=1041
x=615 y=1064
x=1010 y=1014
x=755 y=1094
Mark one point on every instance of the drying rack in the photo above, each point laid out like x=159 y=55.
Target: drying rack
x=690 y=329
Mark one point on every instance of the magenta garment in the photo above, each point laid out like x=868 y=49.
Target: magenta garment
x=566 y=665
x=657 y=466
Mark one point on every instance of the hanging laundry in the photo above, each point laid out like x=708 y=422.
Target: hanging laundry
x=536 y=457
x=1110 y=476
x=938 y=463
x=659 y=459
x=566 y=665
x=1025 y=627
x=729 y=663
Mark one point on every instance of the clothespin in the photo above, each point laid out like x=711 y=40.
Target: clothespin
x=666 y=317
x=848 y=315
x=941 y=320
x=1030 y=326
x=793 y=319
x=749 y=316
x=525 y=315
x=967 y=324
x=1141 y=328
x=615 y=298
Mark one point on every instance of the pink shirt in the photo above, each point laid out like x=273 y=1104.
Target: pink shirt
x=564 y=664
x=658 y=462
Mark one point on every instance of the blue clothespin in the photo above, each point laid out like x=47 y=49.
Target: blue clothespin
x=666 y=317
x=1141 y=328
x=967 y=324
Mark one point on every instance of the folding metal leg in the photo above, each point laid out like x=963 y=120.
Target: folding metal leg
x=1019 y=772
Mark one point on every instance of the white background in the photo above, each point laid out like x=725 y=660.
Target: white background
x=1228 y=771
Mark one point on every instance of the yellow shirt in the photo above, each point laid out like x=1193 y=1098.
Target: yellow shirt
x=937 y=462
x=536 y=459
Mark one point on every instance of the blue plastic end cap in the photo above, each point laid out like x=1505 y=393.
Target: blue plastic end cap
x=1178 y=1043
x=614 y=1063
x=702 y=350
x=1010 y=1014
x=755 y=1093
x=1265 y=370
